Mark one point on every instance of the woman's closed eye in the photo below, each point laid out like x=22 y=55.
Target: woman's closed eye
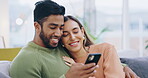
x=75 y=31
x=65 y=34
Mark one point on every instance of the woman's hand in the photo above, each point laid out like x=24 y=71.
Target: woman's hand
x=129 y=73
x=68 y=61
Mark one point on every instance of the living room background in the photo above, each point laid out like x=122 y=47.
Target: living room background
x=126 y=21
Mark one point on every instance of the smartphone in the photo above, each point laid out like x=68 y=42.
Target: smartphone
x=93 y=58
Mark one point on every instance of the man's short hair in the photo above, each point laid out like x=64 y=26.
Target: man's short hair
x=46 y=8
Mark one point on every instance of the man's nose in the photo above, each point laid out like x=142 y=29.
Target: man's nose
x=58 y=32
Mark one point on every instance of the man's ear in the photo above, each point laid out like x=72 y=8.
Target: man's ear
x=37 y=27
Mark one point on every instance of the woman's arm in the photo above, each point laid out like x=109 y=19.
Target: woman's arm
x=112 y=65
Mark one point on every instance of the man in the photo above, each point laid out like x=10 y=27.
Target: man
x=41 y=58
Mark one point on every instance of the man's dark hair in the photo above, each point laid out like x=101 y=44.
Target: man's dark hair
x=46 y=8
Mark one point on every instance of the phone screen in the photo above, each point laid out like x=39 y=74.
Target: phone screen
x=93 y=58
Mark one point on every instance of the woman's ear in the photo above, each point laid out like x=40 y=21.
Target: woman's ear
x=82 y=30
x=37 y=27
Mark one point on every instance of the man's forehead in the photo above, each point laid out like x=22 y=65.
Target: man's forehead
x=59 y=20
x=56 y=24
x=54 y=17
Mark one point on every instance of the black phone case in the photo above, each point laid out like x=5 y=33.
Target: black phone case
x=93 y=58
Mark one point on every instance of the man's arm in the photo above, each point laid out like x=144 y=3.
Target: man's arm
x=25 y=66
x=128 y=72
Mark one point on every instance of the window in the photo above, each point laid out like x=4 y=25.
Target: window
x=21 y=22
x=138 y=25
x=109 y=15
x=21 y=18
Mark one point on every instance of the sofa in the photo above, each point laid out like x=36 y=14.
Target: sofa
x=6 y=56
x=138 y=64
x=4 y=67
x=8 y=53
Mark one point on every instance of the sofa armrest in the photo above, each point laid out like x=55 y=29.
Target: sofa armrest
x=138 y=65
x=4 y=69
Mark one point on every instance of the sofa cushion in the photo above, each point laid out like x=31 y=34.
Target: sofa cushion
x=138 y=65
x=4 y=69
x=8 y=53
x=2 y=75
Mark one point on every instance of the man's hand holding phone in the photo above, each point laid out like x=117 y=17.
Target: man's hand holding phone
x=79 y=70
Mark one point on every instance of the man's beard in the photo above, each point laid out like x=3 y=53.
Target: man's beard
x=45 y=40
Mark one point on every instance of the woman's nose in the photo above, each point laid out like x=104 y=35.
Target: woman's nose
x=72 y=37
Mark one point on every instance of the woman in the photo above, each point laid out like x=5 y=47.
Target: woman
x=78 y=46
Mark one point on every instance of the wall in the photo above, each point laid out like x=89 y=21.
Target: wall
x=4 y=20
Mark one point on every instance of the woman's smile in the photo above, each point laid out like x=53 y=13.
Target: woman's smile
x=74 y=44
